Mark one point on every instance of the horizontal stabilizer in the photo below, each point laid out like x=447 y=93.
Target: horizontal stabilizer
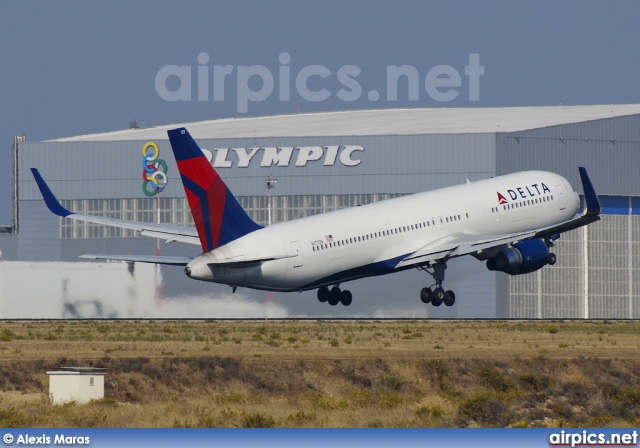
x=248 y=262
x=154 y=259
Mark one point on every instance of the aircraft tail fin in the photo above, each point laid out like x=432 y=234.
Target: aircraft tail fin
x=219 y=217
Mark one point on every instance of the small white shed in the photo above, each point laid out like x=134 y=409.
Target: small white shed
x=79 y=384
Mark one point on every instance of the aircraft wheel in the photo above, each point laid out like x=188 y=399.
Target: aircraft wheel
x=346 y=297
x=551 y=259
x=425 y=295
x=437 y=297
x=323 y=293
x=449 y=298
x=334 y=296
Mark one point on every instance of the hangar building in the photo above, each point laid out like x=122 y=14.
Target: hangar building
x=326 y=161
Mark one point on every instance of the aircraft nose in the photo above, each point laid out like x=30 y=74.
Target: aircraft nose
x=187 y=271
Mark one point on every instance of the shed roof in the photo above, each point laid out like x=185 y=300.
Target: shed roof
x=78 y=371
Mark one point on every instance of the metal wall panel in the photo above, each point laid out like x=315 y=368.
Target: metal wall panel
x=608 y=268
x=554 y=291
x=39 y=237
x=389 y=164
x=8 y=246
x=596 y=277
x=609 y=148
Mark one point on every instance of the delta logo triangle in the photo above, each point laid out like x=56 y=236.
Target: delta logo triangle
x=501 y=199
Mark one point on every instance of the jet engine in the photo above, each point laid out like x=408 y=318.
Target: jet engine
x=522 y=258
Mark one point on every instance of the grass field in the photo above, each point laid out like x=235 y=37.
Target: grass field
x=327 y=373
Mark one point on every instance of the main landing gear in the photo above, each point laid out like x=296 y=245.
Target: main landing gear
x=334 y=296
x=438 y=295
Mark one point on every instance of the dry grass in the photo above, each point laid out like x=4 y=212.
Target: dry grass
x=327 y=373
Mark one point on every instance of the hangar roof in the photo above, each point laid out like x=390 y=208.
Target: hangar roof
x=379 y=122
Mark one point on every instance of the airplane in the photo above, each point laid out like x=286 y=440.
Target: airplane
x=510 y=222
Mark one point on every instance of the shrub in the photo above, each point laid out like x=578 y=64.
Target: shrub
x=7 y=335
x=487 y=408
x=12 y=418
x=390 y=400
x=627 y=396
x=327 y=403
x=426 y=411
x=301 y=417
x=257 y=420
x=391 y=382
x=496 y=380
x=538 y=382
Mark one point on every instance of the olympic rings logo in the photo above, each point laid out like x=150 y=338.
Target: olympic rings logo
x=154 y=174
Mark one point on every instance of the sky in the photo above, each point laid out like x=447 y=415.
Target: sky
x=72 y=67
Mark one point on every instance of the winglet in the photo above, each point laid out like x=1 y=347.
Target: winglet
x=593 y=207
x=49 y=198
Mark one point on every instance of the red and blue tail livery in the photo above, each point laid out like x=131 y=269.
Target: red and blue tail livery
x=219 y=217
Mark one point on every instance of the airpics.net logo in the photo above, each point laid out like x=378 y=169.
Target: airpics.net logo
x=256 y=83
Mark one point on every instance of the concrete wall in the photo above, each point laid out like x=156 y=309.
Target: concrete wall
x=81 y=387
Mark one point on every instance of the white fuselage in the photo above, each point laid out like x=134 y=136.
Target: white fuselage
x=371 y=239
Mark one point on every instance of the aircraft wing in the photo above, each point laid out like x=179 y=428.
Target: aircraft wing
x=457 y=245
x=451 y=246
x=163 y=231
